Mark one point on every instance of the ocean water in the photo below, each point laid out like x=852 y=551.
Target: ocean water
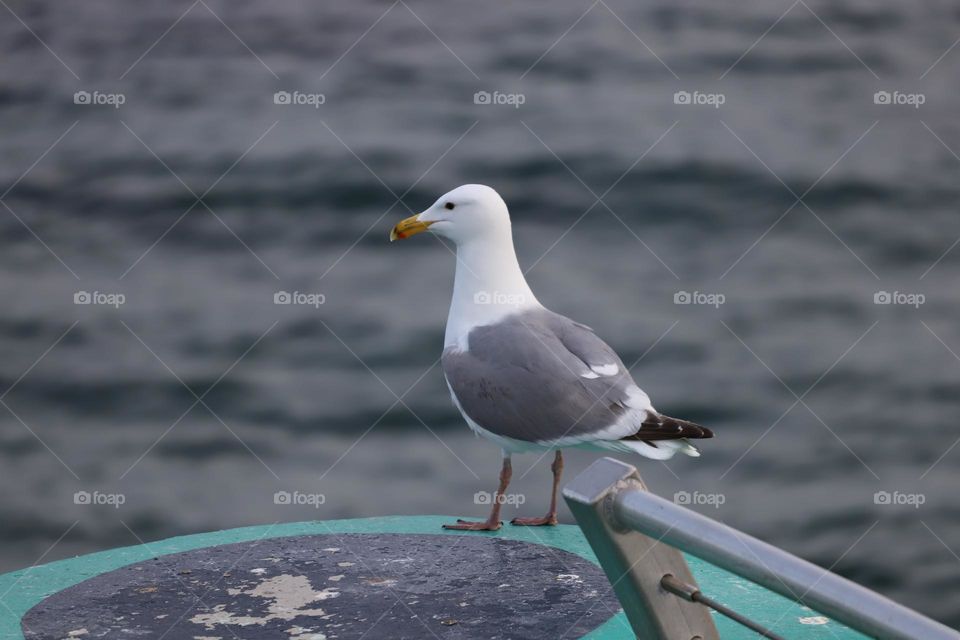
x=785 y=200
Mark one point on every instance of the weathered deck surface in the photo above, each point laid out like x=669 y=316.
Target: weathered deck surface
x=400 y=577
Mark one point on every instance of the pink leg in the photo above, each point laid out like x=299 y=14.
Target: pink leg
x=551 y=518
x=492 y=523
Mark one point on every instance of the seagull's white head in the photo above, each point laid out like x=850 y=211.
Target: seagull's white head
x=488 y=284
x=469 y=212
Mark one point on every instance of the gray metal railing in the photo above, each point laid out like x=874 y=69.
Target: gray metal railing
x=629 y=529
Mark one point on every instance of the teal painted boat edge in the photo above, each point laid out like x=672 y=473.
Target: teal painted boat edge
x=21 y=590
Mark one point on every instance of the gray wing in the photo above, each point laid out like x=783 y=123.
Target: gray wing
x=538 y=376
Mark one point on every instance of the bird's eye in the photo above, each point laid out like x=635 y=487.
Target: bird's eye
x=449 y=205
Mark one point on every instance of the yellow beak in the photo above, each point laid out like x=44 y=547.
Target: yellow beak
x=408 y=227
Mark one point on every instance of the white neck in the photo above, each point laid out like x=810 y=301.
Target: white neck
x=488 y=286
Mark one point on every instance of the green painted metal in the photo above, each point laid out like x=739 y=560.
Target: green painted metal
x=21 y=590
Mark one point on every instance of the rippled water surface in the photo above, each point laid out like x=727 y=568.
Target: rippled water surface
x=794 y=202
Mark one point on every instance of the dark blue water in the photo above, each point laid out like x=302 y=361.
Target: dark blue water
x=304 y=398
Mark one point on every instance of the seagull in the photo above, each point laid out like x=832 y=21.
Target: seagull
x=524 y=377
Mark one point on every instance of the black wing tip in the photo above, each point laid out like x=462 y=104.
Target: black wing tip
x=661 y=427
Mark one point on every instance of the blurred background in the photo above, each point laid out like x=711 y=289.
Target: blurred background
x=755 y=203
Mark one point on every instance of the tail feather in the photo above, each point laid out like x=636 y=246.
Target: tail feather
x=660 y=450
x=660 y=437
x=637 y=447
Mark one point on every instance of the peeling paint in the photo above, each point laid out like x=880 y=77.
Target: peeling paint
x=290 y=595
x=301 y=633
